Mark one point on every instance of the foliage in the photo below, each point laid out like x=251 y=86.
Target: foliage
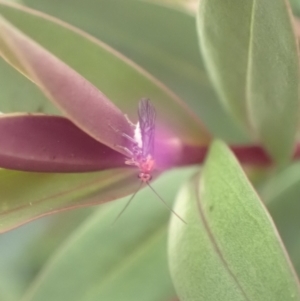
x=71 y=74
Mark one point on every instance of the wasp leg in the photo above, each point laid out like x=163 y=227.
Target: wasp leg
x=116 y=130
x=124 y=135
x=129 y=121
x=129 y=138
x=127 y=150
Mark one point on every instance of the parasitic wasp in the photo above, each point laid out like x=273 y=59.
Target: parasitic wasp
x=141 y=155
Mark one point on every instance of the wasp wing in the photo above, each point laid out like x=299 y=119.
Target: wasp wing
x=147 y=115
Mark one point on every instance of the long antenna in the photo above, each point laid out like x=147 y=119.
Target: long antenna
x=127 y=204
x=165 y=203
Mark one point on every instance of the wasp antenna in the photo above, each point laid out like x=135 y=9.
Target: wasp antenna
x=127 y=204
x=165 y=203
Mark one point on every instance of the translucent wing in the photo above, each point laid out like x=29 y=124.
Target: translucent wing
x=147 y=117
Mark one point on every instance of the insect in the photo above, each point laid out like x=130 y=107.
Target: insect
x=142 y=153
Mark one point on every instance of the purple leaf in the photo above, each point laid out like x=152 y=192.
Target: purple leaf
x=51 y=144
x=82 y=102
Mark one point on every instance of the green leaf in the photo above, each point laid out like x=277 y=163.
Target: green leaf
x=123 y=261
x=38 y=194
x=281 y=195
x=120 y=80
x=251 y=54
x=230 y=249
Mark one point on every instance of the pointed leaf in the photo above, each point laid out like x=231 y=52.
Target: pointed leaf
x=230 y=249
x=39 y=194
x=51 y=144
x=273 y=78
x=54 y=144
x=121 y=80
x=155 y=46
x=87 y=107
x=251 y=54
